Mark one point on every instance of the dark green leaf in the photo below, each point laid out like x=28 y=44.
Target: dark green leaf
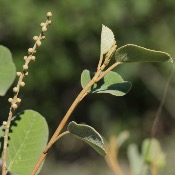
x=88 y=135
x=7 y=70
x=134 y=53
x=27 y=139
x=111 y=83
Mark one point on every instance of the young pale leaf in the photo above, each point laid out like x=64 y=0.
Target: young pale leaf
x=134 y=53
x=107 y=39
x=111 y=83
x=135 y=160
x=121 y=138
x=152 y=153
x=27 y=139
x=7 y=70
x=89 y=135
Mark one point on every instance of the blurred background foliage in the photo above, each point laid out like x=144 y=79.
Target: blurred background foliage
x=73 y=44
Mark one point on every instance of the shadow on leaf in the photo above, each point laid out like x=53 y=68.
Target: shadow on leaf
x=2 y=130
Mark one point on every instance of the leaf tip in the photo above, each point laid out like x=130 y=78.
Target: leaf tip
x=107 y=39
x=89 y=135
x=171 y=60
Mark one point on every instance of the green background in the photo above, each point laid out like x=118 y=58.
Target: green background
x=73 y=44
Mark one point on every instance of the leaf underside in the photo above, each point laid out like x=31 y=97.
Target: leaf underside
x=107 y=39
x=7 y=70
x=112 y=83
x=135 y=159
x=134 y=53
x=89 y=135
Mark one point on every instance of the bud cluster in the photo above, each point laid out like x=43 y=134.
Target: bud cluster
x=38 y=41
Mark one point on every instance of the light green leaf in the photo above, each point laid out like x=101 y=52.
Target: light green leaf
x=111 y=83
x=135 y=160
x=152 y=152
x=134 y=53
x=7 y=70
x=107 y=39
x=89 y=135
x=122 y=137
x=27 y=139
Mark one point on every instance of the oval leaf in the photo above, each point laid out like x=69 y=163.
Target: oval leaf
x=134 y=53
x=7 y=70
x=107 y=39
x=27 y=139
x=89 y=135
x=111 y=83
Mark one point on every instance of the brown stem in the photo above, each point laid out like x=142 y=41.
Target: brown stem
x=107 y=70
x=4 y=168
x=113 y=162
x=61 y=135
x=81 y=95
x=153 y=169
x=157 y=117
x=63 y=122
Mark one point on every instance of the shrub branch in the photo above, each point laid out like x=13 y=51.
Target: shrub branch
x=80 y=97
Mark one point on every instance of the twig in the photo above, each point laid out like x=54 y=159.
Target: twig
x=157 y=117
x=15 y=100
x=112 y=161
x=154 y=169
x=63 y=122
x=61 y=135
x=81 y=95
x=108 y=70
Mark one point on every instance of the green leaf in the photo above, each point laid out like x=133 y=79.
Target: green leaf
x=134 y=53
x=7 y=70
x=111 y=83
x=107 y=39
x=89 y=135
x=121 y=138
x=27 y=139
x=136 y=162
x=152 y=152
